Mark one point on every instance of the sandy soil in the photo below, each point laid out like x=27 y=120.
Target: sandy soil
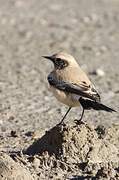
x=31 y=145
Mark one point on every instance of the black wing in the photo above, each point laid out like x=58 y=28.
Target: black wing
x=81 y=90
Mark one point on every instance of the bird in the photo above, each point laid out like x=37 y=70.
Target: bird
x=71 y=85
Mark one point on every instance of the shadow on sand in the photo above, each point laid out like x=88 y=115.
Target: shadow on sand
x=50 y=142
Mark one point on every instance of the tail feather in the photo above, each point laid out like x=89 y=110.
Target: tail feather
x=88 y=104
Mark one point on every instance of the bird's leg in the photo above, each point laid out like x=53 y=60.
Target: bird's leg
x=81 y=115
x=79 y=120
x=65 y=116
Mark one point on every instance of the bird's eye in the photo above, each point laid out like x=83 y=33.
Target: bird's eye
x=60 y=63
x=58 y=59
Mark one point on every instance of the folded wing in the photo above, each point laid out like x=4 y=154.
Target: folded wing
x=79 y=89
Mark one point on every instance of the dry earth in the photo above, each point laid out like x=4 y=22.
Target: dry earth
x=31 y=145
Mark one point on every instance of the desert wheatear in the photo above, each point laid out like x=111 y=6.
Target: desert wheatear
x=71 y=86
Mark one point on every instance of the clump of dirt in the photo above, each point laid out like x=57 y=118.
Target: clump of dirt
x=9 y=169
x=73 y=151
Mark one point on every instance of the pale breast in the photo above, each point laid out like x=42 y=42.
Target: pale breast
x=68 y=99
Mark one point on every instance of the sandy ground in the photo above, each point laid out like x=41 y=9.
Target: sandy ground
x=89 y=30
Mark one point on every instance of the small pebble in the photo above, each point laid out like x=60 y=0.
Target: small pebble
x=10 y=118
x=94 y=17
x=99 y=72
x=19 y=4
x=13 y=134
x=36 y=163
x=86 y=19
x=29 y=133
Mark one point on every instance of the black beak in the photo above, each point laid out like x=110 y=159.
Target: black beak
x=48 y=57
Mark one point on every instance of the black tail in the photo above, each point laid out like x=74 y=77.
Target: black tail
x=88 y=104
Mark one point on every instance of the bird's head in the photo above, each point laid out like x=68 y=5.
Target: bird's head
x=61 y=60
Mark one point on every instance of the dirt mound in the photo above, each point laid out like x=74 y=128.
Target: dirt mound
x=67 y=151
x=76 y=144
x=72 y=149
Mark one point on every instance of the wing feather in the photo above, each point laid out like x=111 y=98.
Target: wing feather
x=78 y=89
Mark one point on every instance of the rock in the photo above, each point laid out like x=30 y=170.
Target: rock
x=99 y=72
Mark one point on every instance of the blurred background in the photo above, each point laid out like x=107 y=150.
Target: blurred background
x=87 y=29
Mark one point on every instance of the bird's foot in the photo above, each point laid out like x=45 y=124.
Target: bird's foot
x=61 y=124
x=79 y=122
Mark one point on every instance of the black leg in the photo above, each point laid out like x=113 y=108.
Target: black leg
x=78 y=122
x=81 y=115
x=65 y=116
